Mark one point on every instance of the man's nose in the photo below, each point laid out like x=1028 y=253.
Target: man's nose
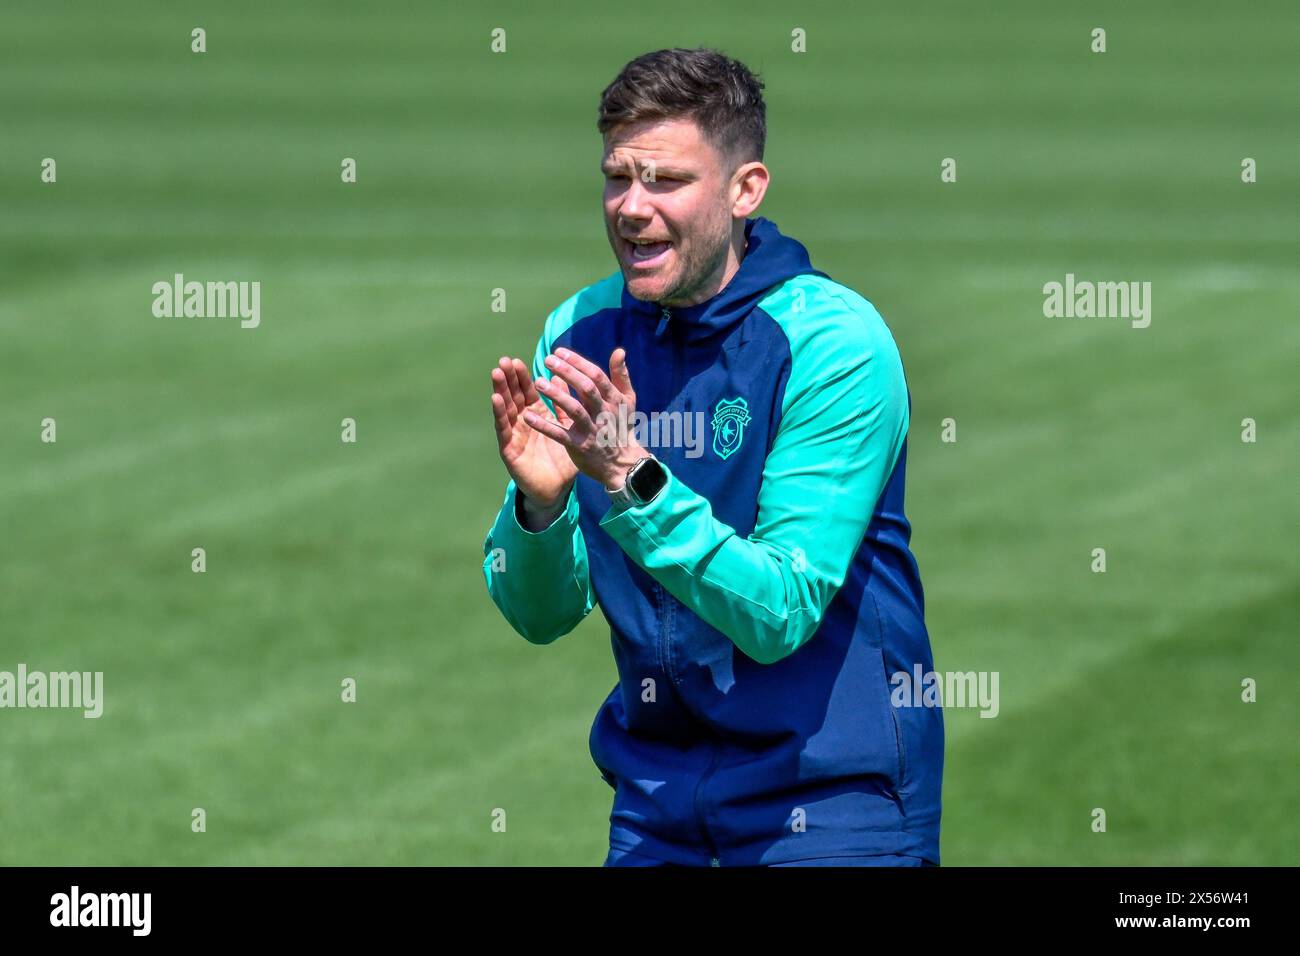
x=636 y=201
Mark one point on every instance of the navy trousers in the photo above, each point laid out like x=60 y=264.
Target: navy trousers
x=619 y=857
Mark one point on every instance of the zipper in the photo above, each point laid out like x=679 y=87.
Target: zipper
x=714 y=857
x=679 y=356
x=679 y=362
x=666 y=618
x=665 y=633
x=662 y=641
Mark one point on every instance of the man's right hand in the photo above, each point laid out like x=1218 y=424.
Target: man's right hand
x=541 y=468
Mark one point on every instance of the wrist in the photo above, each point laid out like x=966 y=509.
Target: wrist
x=618 y=474
x=536 y=516
x=644 y=480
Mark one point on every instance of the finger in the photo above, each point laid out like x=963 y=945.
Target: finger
x=584 y=387
x=560 y=414
x=501 y=390
x=525 y=380
x=618 y=371
x=537 y=387
x=512 y=379
x=562 y=400
x=604 y=387
x=550 y=429
x=505 y=427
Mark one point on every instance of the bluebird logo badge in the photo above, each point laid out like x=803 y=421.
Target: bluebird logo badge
x=730 y=416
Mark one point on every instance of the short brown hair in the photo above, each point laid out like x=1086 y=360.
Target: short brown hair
x=722 y=96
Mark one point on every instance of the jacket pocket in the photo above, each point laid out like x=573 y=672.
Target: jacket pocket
x=876 y=628
x=900 y=747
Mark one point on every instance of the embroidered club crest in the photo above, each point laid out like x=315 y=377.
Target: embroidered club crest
x=730 y=416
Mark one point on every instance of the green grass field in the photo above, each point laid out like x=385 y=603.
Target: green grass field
x=478 y=170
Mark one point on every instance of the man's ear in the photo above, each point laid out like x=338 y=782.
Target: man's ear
x=748 y=187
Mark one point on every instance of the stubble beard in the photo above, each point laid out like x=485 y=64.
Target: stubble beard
x=698 y=272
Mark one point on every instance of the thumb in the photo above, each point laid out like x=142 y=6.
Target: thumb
x=619 y=374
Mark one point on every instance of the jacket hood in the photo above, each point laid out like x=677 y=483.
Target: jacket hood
x=771 y=258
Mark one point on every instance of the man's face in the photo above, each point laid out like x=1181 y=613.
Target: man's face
x=670 y=233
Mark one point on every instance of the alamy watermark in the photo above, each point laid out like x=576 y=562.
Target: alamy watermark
x=75 y=908
x=75 y=690
x=1102 y=300
x=657 y=430
x=949 y=689
x=208 y=300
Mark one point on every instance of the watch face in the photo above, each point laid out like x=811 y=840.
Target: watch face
x=648 y=480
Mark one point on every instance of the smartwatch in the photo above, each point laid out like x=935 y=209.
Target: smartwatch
x=644 y=481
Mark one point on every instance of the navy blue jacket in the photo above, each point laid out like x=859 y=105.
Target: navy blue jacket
x=761 y=604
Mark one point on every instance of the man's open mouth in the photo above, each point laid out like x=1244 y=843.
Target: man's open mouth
x=646 y=254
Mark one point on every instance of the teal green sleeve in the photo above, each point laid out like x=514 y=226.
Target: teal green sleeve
x=844 y=419
x=539 y=580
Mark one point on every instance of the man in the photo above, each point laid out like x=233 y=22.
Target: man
x=758 y=585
